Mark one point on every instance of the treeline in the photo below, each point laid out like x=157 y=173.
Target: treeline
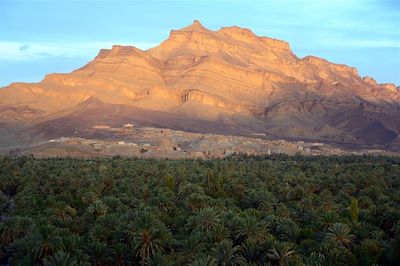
x=274 y=210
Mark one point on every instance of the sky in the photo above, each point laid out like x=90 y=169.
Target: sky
x=38 y=37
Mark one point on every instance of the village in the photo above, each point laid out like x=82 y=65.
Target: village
x=149 y=142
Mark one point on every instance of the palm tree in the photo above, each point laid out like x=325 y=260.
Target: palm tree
x=190 y=246
x=98 y=232
x=251 y=251
x=219 y=233
x=71 y=243
x=214 y=182
x=61 y=258
x=149 y=236
x=251 y=227
x=120 y=252
x=97 y=208
x=8 y=232
x=188 y=189
x=238 y=190
x=89 y=197
x=327 y=219
x=23 y=224
x=205 y=219
x=197 y=201
x=288 y=230
x=281 y=254
x=316 y=259
x=46 y=241
x=339 y=234
x=158 y=260
x=21 y=253
x=65 y=212
x=99 y=253
x=203 y=260
x=334 y=254
x=369 y=251
x=225 y=254
x=13 y=228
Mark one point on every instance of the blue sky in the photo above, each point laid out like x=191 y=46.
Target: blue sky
x=46 y=36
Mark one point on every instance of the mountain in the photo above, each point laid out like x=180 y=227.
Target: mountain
x=227 y=81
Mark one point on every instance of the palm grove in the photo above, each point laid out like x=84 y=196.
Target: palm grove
x=275 y=210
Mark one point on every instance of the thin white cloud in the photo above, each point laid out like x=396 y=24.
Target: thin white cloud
x=10 y=50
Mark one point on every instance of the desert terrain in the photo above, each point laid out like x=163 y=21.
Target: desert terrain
x=227 y=82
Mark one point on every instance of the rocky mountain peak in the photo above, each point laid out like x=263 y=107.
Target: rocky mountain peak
x=195 y=26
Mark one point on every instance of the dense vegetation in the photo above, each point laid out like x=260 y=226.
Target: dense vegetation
x=275 y=210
